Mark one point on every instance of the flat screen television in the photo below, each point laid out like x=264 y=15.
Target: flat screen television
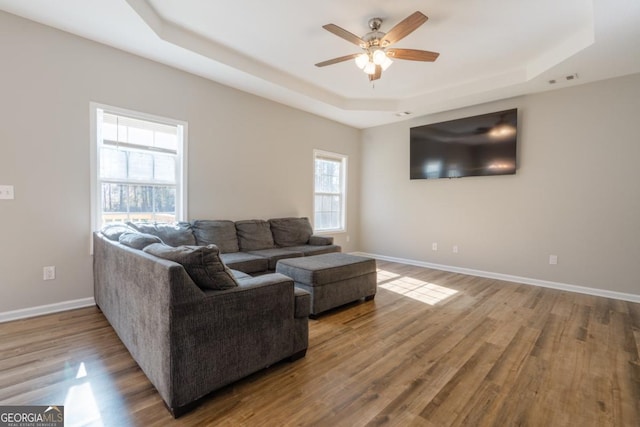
x=473 y=146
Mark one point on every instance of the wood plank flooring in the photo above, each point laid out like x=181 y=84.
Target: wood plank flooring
x=433 y=349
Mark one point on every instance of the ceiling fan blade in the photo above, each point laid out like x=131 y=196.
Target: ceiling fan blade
x=377 y=74
x=336 y=60
x=341 y=32
x=412 y=54
x=404 y=28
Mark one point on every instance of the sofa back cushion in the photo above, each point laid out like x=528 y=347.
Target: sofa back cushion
x=202 y=264
x=114 y=230
x=254 y=234
x=176 y=234
x=221 y=233
x=291 y=231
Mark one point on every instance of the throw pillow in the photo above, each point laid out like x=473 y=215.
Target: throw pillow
x=176 y=234
x=113 y=230
x=202 y=264
x=138 y=240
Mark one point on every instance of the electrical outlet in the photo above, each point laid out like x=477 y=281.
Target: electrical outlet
x=553 y=259
x=6 y=192
x=455 y=249
x=49 y=272
x=434 y=246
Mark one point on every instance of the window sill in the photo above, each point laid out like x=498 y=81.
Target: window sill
x=336 y=231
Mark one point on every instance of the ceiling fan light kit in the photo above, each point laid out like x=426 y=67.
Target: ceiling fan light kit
x=367 y=61
x=380 y=58
x=362 y=60
x=375 y=57
x=370 y=68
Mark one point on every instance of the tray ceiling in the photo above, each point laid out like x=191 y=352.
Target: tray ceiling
x=488 y=50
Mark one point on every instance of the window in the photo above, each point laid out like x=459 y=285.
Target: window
x=138 y=167
x=330 y=172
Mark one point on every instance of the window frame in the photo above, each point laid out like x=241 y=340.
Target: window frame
x=343 y=159
x=96 y=181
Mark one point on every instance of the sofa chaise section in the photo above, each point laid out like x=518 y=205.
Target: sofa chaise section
x=190 y=341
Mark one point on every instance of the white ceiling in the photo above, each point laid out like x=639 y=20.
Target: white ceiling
x=490 y=49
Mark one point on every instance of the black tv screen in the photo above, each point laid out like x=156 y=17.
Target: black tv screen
x=474 y=146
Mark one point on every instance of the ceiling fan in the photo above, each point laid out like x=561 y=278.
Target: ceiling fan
x=376 y=55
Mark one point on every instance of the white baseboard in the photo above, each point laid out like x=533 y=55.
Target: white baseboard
x=509 y=278
x=23 y=313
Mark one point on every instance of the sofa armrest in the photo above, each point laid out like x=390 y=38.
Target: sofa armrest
x=316 y=240
x=303 y=303
x=189 y=341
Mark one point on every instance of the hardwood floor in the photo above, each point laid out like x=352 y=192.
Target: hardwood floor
x=433 y=349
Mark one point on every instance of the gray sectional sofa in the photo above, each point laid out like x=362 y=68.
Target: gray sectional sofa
x=192 y=323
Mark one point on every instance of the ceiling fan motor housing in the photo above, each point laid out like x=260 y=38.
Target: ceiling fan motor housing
x=374 y=23
x=374 y=37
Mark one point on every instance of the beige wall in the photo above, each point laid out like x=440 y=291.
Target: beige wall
x=248 y=157
x=576 y=193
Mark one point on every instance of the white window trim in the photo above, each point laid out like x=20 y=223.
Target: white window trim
x=345 y=161
x=181 y=187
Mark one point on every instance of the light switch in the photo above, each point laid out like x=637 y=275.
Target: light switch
x=6 y=192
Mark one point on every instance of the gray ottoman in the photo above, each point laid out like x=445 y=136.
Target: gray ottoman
x=332 y=279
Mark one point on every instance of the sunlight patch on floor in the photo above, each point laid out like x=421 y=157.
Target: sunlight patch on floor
x=384 y=275
x=417 y=289
x=80 y=407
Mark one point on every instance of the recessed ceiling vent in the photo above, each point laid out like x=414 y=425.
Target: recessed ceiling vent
x=568 y=78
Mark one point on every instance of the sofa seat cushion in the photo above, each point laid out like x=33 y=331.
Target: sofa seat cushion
x=291 y=231
x=239 y=275
x=176 y=234
x=202 y=264
x=221 y=233
x=276 y=254
x=310 y=250
x=247 y=263
x=254 y=235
